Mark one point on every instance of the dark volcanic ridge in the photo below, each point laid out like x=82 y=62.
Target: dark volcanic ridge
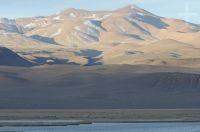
x=10 y=58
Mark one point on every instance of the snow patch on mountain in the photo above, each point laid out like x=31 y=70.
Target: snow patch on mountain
x=122 y=29
x=89 y=37
x=127 y=34
x=77 y=28
x=72 y=15
x=39 y=23
x=106 y=16
x=140 y=13
x=59 y=31
x=94 y=24
x=94 y=32
x=94 y=15
x=97 y=18
x=57 y=18
x=133 y=7
x=151 y=19
x=30 y=25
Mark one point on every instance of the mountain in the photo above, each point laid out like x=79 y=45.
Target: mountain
x=123 y=36
x=10 y=58
x=9 y=25
x=99 y=87
x=166 y=52
x=74 y=27
x=141 y=60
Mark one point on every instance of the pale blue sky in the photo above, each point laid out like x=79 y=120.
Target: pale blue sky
x=167 y=8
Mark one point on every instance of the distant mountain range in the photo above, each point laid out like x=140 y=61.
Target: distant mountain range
x=129 y=35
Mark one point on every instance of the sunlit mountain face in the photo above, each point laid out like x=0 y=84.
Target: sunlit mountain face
x=129 y=35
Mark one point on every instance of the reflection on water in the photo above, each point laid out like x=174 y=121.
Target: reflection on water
x=113 y=127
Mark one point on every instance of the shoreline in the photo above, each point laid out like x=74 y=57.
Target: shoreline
x=44 y=124
x=90 y=116
x=16 y=123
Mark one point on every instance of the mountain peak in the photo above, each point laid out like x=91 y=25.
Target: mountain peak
x=130 y=7
x=74 y=10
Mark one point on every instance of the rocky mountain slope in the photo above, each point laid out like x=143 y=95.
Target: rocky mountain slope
x=129 y=35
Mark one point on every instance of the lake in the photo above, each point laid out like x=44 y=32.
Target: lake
x=112 y=127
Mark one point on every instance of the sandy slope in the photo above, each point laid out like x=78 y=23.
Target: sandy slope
x=166 y=52
x=124 y=86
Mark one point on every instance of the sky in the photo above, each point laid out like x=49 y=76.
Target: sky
x=165 y=8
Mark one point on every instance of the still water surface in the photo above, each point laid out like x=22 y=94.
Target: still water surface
x=112 y=127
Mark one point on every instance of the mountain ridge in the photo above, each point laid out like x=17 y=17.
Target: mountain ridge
x=62 y=35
